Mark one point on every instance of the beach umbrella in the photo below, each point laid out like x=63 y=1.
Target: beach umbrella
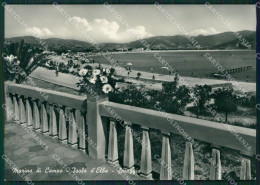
x=164 y=69
x=129 y=64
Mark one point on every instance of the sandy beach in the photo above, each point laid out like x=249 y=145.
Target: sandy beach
x=69 y=80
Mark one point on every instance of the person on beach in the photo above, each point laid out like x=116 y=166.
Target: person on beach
x=57 y=71
x=153 y=77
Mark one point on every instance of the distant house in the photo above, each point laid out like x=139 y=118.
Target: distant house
x=119 y=49
x=138 y=49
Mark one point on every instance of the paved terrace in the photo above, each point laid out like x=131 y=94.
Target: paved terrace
x=24 y=151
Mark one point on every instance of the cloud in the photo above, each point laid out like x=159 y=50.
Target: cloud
x=80 y=21
x=38 y=32
x=101 y=30
x=207 y=31
x=139 y=31
x=102 y=27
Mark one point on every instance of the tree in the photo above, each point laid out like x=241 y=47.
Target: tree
x=225 y=101
x=153 y=98
x=88 y=67
x=20 y=60
x=174 y=98
x=138 y=75
x=113 y=71
x=169 y=88
x=201 y=97
x=133 y=96
x=248 y=100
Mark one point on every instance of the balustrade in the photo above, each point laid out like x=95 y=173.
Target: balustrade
x=60 y=117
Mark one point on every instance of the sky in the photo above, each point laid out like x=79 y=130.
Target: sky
x=101 y=25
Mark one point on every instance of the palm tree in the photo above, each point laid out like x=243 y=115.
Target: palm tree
x=20 y=60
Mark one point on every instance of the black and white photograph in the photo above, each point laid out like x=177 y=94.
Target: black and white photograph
x=130 y=92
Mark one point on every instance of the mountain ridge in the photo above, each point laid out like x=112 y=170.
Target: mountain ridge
x=225 y=40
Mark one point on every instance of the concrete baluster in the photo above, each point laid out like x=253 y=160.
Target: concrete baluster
x=112 y=145
x=44 y=119
x=81 y=130
x=22 y=111
x=188 y=168
x=36 y=116
x=8 y=106
x=146 y=160
x=16 y=116
x=29 y=116
x=245 y=173
x=215 y=165
x=53 y=123
x=62 y=127
x=72 y=141
x=166 y=170
x=129 y=147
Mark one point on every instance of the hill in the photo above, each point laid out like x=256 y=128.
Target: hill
x=226 y=40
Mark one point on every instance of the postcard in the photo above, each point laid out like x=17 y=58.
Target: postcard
x=130 y=92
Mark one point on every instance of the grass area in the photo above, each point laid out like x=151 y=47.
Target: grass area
x=243 y=117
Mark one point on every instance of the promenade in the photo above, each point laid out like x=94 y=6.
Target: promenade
x=70 y=81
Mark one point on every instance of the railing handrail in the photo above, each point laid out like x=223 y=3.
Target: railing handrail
x=218 y=134
x=53 y=97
